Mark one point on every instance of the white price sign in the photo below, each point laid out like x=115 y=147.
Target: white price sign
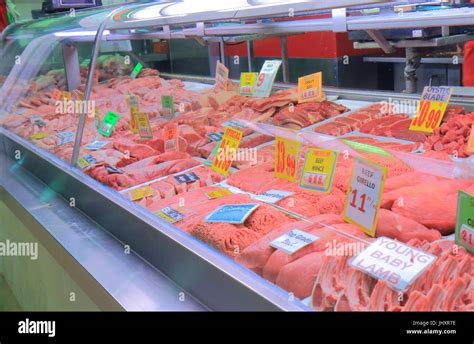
x=392 y=261
x=265 y=79
x=293 y=241
x=364 y=194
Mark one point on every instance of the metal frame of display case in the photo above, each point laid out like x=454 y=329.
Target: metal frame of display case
x=215 y=280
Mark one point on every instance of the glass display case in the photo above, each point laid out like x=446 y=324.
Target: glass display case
x=248 y=203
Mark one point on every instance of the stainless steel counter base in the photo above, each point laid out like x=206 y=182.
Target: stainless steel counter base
x=215 y=281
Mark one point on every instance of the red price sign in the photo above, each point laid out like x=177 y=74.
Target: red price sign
x=286 y=158
x=227 y=151
x=170 y=137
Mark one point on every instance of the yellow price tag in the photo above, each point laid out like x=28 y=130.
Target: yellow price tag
x=470 y=143
x=318 y=169
x=227 y=151
x=218 y=193
x=143 y=123
x=286 y=158
x=67 y=95
x=140 y=193
x=38 y=136
x=134 y=109
x=247 y=83
x=431 y=109
x=165 y=217
x=310 y=87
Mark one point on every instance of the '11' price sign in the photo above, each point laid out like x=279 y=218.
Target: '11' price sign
x=364 y=194
x=286 y=158
x=430 y=112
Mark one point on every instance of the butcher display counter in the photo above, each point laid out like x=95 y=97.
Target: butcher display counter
x=254 y=198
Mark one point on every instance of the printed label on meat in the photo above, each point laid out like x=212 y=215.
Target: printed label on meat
x=218 y=193
x=222 y=76
x=266 y=77
x=216 y=137
x=392 y=261
x=310 y=87
x=273 y=196
x=108 y=123
x=170 y=137
x=431 y=108
x=113 y=170
x=136 y=70
x=86 y=161
x=65 y=134
x=364 y=194
x=38 y=136
x=227 y=151
x=470 y=144
x=286 y=158
x=318 y=169
x=247 y=83
x=186 y=178
x=143 y=123
x=144 y=191
x=96 y=145
x=171 y=215
x=167 y=106
x=232 y=213
x=464 y=234
x=293 y=241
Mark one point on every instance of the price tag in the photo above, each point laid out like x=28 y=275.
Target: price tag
x=218 y=193
x=470 y=143
x=144 y=128
x=364 y=194
x=108 y=123
x=139 y=193
x=431 y=108
x=222 y=76
x=86 y=161
x=96 y=145
x=227 y=151
x=216 y=137
x=65 y=134
x=234 y=124
x=266 y=77
x=247 y=83
x=186 y=178
x=273 y=196
x=293 y=241
x=134 y=109
x=171 y=215
x=310 y=87
x=113 y=170
x=37 y=120
x=136 y=70
x=38 y=136
x=170 y=137
x=393 y=261
x=167 y=106
x=232 y=213
x=286 y=158
x=465 y=221
x=67 y=96
x=56 y=94
x=318 y=169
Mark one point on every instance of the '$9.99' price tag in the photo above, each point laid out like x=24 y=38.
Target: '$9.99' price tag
x=286 y=158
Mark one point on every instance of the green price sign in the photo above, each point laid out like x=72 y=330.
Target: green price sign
x=136 y=70
x=108 y=124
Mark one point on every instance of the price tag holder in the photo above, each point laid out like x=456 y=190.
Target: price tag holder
x=218 y=193
x=96 y=145
x=86 y=161
x=431 y=109
x=139 y=193
x=170 y=137
x=134 y=109
x=286 y=158
x=227 y=151
x=273 y=196
x=167 y=106
x=393 y=261
x=318 y=169
x=364 y=194
x=143 y=123
x=266 y=78
x=310 y=87
x=464 y=234
x=247 y=83
x=293 y=241
x=136 y=70
x=470 y=142
x=232 y=213
x=222 y=76
x=108 y=123
x=189 y=177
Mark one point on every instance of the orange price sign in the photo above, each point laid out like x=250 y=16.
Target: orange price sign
x=286 y=158
x=170 y=137
x=310 y=87
x=431 y=109
x=227 y=151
